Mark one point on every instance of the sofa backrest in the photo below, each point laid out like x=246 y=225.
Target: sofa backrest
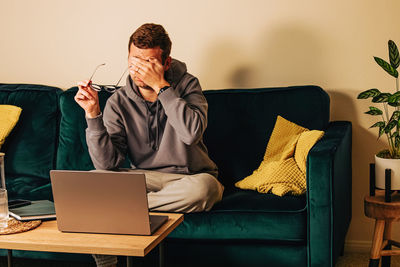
x=240 y=122
x=31 y=147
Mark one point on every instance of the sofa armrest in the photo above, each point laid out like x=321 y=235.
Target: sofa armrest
x=329 y=178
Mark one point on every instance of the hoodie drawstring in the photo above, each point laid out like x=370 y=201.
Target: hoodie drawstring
x=157 y=127
x=156 y=141
x=148 y=123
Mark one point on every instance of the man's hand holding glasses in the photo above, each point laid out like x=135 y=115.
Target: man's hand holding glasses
x=87 y=95
x=88 y=99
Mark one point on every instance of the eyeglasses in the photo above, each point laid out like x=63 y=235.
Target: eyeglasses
x=108 y=88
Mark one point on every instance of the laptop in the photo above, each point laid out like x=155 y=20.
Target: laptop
x=103 y=202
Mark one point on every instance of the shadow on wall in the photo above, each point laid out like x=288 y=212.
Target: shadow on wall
x=293 y=55
x=287 y=55
x=225 y=62
x=346 y=106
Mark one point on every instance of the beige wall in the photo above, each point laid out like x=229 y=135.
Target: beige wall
x=226 y=44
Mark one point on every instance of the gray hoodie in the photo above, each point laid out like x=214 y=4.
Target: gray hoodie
x=165 y=136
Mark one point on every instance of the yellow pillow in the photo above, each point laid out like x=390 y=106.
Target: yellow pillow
x=283 y=169
x=9 y=116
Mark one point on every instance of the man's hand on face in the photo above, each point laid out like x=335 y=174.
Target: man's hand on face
x=150 y=72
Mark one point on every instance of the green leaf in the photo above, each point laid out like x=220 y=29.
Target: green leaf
x=394 y=99
x=390 y=126
x=395 y=134
x=369 y=93
x=387 y=67
x=397 y=93
x=395 y=116
x=397 y=141
x=395 y=104
x=393 y=54
x=383 y=97
x=379 y=124
x=374 y=111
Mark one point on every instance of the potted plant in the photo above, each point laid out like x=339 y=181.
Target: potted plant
x=389 y=121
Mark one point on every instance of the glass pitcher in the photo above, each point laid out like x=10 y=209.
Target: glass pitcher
x=2 y=173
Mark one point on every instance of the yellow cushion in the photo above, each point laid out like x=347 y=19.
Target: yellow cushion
x=283 y=169
x=9 y=116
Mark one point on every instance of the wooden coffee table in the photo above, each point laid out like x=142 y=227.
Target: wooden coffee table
x=48 y=238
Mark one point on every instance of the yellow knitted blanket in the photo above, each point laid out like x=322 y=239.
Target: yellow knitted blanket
x=9 y=116
x=283 y=169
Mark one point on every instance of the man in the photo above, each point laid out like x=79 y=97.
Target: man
x=158 y=120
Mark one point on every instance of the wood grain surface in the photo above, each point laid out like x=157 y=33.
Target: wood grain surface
x=47 y=237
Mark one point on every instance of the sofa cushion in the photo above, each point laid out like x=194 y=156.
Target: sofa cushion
x=283 y=169
x=248 y=215
x=240 y=122
x=225 y=253
x=9 y=116
x=31 y=148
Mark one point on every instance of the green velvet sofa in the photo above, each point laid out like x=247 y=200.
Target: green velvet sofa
x=246 y=228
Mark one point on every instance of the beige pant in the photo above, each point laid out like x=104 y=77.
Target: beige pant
x=175 y=193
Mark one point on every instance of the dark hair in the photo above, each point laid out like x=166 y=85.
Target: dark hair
x=151 y=35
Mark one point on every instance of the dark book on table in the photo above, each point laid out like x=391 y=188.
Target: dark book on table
x=37 y=210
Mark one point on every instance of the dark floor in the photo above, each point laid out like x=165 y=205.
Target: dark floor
x=22 y=262
x=18 y=262
x=348 y=260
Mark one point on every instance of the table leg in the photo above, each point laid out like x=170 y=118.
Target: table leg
x=377 y=243
x=161 y=254
x=129 y=261
x=9 y=257
x=387 y=235
x=373 y=263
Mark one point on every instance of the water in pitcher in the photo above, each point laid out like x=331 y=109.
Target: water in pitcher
x=3 y=209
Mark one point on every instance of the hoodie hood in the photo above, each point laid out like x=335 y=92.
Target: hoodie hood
x=175 y=73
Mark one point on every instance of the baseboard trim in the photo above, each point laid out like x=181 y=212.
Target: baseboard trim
x=357 y=246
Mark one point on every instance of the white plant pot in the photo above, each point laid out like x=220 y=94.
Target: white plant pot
x=380 y=165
